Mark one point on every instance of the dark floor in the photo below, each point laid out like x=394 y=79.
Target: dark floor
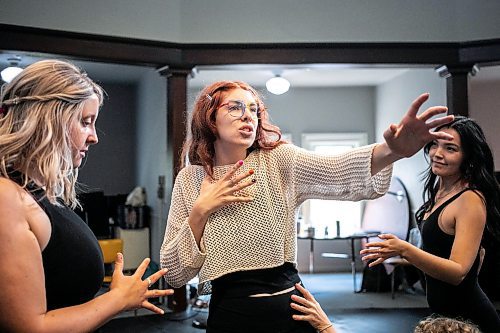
x=350 y=312
x=346 y=321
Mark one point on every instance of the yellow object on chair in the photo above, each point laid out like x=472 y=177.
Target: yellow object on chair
x=110 y=247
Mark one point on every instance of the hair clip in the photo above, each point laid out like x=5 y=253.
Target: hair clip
x=209 y=97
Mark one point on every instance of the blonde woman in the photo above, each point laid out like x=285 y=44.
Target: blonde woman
x=52 y=265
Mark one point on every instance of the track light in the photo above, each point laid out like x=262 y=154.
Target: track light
x=277 y=85
x=9 y=73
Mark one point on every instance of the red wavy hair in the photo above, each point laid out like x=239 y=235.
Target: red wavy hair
x=199 y=147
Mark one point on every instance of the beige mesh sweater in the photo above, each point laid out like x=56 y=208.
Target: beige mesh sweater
x=262 y=233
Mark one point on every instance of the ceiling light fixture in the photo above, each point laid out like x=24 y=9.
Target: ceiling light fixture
x=9 y=73
x=277 y=85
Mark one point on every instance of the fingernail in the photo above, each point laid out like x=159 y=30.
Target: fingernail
x=162 y=312
x=164 y=270
x=240 y=162
x=251 y=171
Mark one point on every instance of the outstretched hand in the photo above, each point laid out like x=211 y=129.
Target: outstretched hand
x=134 y=291
x=390 y=246
x=414 y=131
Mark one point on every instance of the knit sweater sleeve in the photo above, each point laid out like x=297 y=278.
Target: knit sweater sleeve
x=179 y=252
x=345 y=176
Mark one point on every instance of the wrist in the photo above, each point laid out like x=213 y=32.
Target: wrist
x=405 y=249
x=117 y=298
x=386 y=153
x=199 y=212
x=323 y=328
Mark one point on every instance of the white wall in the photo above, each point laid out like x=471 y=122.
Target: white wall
x=201 y=21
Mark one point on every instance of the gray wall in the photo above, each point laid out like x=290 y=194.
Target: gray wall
x=111 y=164
x=202 y=21
x=323 y=110
x=485 y=108
x=393 y=99
x=151 y=152
x=319 y=110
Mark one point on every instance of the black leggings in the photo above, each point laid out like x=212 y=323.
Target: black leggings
x=271 y=314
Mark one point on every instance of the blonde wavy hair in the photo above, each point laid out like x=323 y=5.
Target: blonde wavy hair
x=435 y=324
x=38 y=109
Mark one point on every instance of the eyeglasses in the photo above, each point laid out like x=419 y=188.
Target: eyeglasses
x=237 y=109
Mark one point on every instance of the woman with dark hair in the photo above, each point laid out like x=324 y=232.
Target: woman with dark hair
x=232 y=216
x=461 y=208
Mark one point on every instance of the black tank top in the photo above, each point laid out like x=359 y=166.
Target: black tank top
x=466 y=300
x=72 y=260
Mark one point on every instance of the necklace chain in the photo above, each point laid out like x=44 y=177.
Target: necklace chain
x=439 y=197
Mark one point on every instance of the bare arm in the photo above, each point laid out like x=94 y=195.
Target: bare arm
x=469 y=214
x=410 y=135
x=23 y=302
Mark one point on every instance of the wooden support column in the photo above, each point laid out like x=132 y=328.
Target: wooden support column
x=176 y=134
x=457 y=88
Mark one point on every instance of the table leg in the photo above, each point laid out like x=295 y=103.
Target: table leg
x=353 y=266
x=311 y=256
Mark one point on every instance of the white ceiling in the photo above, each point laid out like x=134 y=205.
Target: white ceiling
x=311 y=75
x=298 y=76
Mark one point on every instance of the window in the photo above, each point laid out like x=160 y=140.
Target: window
x=287 y=137
x=323 y=214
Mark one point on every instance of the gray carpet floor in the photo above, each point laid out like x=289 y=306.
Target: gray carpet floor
x=351 y=312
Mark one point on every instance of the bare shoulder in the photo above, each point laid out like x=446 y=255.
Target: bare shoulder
x=11 y=196
x=13 y=212
x=471 y=197
x=470 y=207
x=20 y=213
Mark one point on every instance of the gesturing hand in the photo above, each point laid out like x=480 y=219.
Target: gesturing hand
x=413 y=132
x=311 y=311
x=215 y=194
x=134 y=291
x=391 y=246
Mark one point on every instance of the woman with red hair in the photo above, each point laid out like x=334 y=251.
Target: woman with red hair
x=232 y=216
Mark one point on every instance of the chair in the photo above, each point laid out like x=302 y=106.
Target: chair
x=109 y=248
x=396 y=262
x=415 y=239
x=390 y=213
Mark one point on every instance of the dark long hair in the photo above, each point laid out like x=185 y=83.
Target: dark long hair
x=199 y=148
x=477 y=169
